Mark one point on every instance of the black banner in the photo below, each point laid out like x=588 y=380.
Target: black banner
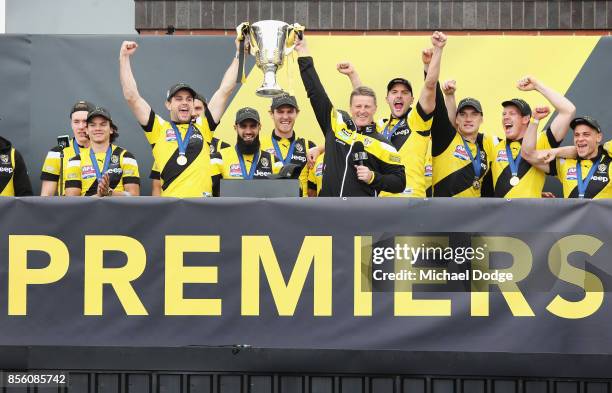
x=300 y=273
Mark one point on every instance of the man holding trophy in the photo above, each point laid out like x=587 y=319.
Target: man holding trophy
x=358 y=160
x=181 y=149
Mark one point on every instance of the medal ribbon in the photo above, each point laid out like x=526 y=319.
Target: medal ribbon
x=248 y=176
x=514 y=164
x=582 y=185
x=75 y=147
x=94 y=162
x=388 y=134
x=475 y=162
x=182 y=144
x=279 y=154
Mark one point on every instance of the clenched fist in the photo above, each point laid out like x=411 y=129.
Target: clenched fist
x=426 y=55
x=527 y=83
x=541 y=112
x=438 y=39
x=449 y=87
x=128 y=48
x=345 y=68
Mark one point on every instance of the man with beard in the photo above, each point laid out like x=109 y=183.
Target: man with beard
x=588 y=176
x=245 y=160
x=181 y=149
x=404 y=128
x=514 y=177
x=284 y=144
x=52 y=167
x=345 y=176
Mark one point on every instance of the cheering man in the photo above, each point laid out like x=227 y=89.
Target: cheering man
x=345 y=176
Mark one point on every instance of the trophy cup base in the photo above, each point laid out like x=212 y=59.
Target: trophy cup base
x=269 y=92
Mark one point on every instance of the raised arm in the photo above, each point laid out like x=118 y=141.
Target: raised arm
x=448 y=88
x=349 y=70
x=218 y=103
x=427 y=99
x=564 y=107
x=528 y=148
x=139 y=107
x=319 y=99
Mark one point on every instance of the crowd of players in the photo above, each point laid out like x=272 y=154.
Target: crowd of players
x=433 y=148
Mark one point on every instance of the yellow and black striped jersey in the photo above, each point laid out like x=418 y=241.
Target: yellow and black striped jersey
x=315 y=176
x=51 y=166
x=215 y=145
x=410 y=137
x=122 y=169
x=531 y=179
x=454 y=173
x=292 y=150
x=14 y=180
x=226 y=163
x=192 y=179
x=599 y=186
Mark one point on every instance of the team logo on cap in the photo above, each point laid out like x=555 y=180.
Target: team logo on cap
x=114 y=159
x=264 y=162
x=602 y=168
x=4 y=158
x=460 y=153
x=299 y=147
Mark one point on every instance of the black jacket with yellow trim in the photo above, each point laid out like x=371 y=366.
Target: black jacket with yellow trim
x=339 y=175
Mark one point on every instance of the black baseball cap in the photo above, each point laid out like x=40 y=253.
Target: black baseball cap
x=100 y=111
x=82 y=106
x=470 y=102
x=247 y=114
x=177 y=87
x=200 y=97
x=521 y=104
x=401 y=81
x=284 y=99
x=588 y=120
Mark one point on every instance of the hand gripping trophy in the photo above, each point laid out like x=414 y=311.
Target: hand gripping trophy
x=270 y=41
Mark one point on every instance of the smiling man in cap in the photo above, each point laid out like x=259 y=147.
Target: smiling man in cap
x=246 y=160
x=588 y=175
x=283 y=143
x=514 y=177
x=181 y=148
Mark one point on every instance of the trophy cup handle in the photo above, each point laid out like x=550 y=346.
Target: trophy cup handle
x=295 y=29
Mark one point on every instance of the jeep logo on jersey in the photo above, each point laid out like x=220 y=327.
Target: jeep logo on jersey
x=6 y=169
x=298 y=158
x=602 y=168
x=460 y=153
x=4 y=158
x=600 y=178
x=259 y=173
x=264 y=162
x=114 y=159
x=299 y=148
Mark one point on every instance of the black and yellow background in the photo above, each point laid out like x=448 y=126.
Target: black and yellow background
x=42 y=76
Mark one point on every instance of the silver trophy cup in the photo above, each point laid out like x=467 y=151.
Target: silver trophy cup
x=268 y=43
